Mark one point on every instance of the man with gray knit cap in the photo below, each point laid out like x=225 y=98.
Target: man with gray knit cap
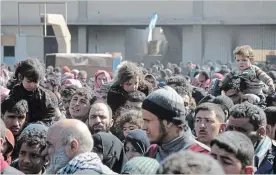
x=165 y=124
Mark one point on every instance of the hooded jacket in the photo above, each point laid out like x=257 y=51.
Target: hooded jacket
x=112 y=150
x=139 y=139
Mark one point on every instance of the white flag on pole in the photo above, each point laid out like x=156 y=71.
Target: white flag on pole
x=152 y=25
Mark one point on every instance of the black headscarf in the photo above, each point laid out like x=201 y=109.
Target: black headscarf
x=112 y=150
x=139 y=139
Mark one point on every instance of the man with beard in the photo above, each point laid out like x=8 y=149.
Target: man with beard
x=165 y=124
x=100 y=118
x=251 y=121
x=69 y=145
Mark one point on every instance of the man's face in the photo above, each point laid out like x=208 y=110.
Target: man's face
x=242 y=62
x=207 y=126
x=228 y=161
x=55 y=151
x=14 y=122
x=30 y=159
x=242 y=125
x=151 y=81
x=99 y=118
x=29 y=85
x=154 y=129
x=131 y=85
x=79 y=107
x=66 y=103
x=101 y=79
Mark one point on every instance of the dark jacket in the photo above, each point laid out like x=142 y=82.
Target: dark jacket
x=39 y=101
x=116 y=96
x=112 y=150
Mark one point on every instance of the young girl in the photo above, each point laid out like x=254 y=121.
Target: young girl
x=247 y=77
x=29 y=73
x=126 y=119
x=128 y=79
x=136 y=144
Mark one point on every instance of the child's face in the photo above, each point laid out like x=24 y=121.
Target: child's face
x=131 y=85
x=30 y=161
x=129 y=127
x=29 y=85
x=242 y=62
x=131 y=151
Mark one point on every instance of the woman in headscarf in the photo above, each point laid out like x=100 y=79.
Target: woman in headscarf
x=8 y=146
x=101 y=77
x=111 y=150
x=136 y=143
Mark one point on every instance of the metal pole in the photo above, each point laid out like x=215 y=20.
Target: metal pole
x=66 y=12
x=45 y=16
x=18 y=17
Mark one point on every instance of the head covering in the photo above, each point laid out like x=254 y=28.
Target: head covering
x=141 y=165
x=65 y=69
x=10 y=140
x=75 y=72
x=70 y=82
x=168 y=72
x=139 y=139
x=112 y=149
x=4 y=93
x=166 y=104
x=106 y=74
x=218 y=76
x=67 y=75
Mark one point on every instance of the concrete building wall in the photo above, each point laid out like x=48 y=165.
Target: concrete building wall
x=34 y=44
x=195 y=30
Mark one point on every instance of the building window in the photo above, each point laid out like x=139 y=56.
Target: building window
x=9 y=51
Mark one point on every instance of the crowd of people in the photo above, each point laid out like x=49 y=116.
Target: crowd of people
x=178 y=119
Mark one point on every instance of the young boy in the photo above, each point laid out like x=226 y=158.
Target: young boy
x=31 y=143
x=247 y=77
x=234 y=151
x=29 y=73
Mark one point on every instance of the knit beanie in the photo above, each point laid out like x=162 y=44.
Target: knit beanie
x=165 y=103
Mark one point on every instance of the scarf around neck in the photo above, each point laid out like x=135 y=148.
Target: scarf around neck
x=177 y=144
x=85 y=161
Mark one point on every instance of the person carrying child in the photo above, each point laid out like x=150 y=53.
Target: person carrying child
x=29 y=73
x=250 y=78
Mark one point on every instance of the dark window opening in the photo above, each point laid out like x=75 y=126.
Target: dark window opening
x=9 y=51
